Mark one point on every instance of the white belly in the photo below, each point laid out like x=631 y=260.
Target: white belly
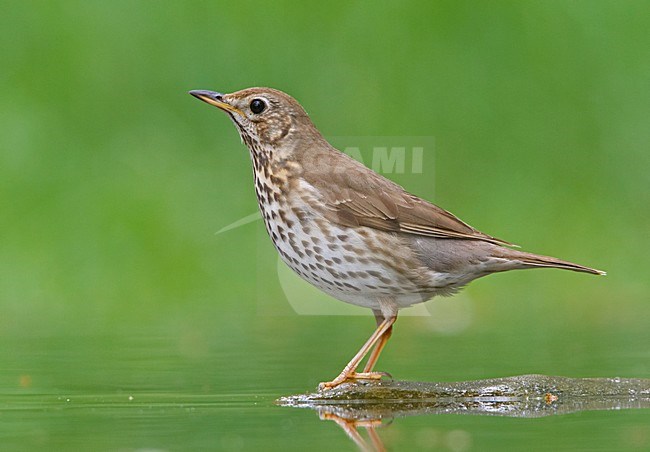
x=337 y=259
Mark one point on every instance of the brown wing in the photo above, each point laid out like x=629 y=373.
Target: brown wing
x=357 y=196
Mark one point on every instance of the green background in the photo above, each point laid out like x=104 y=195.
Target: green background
x=113 y=182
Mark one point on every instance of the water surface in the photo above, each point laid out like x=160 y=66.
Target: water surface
x=191 y=390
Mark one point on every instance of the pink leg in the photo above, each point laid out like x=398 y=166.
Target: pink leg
x=374 y=356
x=349 y=371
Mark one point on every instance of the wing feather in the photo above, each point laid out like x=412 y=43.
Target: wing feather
x=355 y=196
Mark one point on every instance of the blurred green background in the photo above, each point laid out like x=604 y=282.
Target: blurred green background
x=113 y=182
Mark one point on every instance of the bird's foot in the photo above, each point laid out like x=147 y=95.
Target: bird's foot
x=352 y=376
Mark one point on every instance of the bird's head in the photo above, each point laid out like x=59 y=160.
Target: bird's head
x=265 y=117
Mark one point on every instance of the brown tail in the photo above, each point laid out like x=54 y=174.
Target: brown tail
x=529 y=260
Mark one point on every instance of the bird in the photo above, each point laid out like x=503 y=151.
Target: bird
x=352 y=233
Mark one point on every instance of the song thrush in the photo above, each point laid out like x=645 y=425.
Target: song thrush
x=349 y=231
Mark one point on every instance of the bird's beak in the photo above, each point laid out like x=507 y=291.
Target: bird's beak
x=215 y=99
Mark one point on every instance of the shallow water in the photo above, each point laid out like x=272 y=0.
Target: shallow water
x=188 y=391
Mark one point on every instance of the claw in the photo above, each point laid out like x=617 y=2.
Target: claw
x=343 y=378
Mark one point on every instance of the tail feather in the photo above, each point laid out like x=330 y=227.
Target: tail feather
x=529 y=260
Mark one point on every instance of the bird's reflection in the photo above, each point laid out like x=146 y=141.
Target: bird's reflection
x=369 y=405
x=351 y=428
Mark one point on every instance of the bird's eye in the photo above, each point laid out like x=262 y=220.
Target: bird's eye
x=257 y=106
